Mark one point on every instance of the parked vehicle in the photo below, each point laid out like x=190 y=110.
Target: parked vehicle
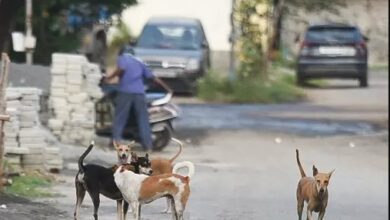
x=333 y=51
x=161 y=115
x=176 y=49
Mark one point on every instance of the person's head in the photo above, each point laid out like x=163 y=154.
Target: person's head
x=126 y=49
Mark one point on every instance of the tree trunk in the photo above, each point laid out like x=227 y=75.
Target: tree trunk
x=277 y=15
x=8 y=11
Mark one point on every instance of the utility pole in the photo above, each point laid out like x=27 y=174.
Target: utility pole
x=29 y=51
x=232 y=39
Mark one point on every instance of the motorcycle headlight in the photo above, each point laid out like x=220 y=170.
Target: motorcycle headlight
x=193 y=64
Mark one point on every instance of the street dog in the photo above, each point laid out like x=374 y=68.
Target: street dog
x=312 y=190
x=165 y=166
x=123 y=151
x=98 y=180
x=140 y=189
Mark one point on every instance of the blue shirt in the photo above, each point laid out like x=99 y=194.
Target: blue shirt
x=134 y=73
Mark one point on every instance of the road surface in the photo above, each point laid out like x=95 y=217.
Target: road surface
x=245 y=157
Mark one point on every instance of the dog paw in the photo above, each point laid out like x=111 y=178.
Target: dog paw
x=166 y=211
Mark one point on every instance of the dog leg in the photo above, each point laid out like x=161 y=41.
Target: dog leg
x=125 y=209
x=96 y=202
x=300 y=208
x=309 y=214
x=168 y=209
x=321 y=214
x=139 y=211
x=119 y=209
x=179 y=209
x=80 y=194
x=135 y=207
x=173 y=209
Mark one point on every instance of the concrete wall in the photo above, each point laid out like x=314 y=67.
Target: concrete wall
x=372 y=16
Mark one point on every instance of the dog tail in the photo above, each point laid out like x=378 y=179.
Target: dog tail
x=179 y=152
x=81 y=159
x=299 y=164
x=185 y=164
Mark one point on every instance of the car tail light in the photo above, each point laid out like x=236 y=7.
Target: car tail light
x=305 y=48
x=360 y=48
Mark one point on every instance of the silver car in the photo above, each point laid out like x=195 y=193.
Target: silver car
x=176 y=49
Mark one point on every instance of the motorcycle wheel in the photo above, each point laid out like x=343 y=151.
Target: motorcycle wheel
x=162 y=138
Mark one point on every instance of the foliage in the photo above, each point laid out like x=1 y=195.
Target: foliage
x=51 y=24
x=251 y=57
x=121 y=36
x=29 y=186
x=214 y=88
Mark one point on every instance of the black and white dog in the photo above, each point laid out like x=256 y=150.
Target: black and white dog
x=98 y=180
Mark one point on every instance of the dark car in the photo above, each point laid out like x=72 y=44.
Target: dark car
x=333 y=51
x=176 y=49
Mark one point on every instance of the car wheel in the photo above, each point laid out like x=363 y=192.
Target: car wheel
x=363 y=81
x=162 y=138
x=300 y=80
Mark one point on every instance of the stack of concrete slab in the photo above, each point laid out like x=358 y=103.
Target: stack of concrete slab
x=53 y=159
x=25 y=138
x=74 y=90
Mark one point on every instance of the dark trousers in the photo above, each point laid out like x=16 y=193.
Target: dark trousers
x=123 y=104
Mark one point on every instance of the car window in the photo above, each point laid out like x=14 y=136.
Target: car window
x=170 y=37
x=330 y=35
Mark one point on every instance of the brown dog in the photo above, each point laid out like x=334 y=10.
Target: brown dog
x=123 y=152
x=158 y=165
x=312 y=190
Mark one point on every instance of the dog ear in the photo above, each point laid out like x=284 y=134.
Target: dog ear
x=331 y=172
x=147 y=156
x=116 y=145
x=315 y=171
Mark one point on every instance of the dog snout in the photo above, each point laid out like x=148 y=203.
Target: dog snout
x=322 y=190
x=150 y=172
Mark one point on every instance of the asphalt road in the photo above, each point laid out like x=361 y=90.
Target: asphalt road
x=245 y=157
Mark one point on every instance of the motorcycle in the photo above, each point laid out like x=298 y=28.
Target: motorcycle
x=161 y=115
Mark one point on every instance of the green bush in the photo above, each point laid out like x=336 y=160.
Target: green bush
x=215 y=88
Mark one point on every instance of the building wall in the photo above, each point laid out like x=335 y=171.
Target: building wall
x=370 y=15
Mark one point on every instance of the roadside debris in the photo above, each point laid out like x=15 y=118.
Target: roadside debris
x=278 y=140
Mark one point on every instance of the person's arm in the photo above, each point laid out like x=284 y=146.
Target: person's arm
x=162 y=83
x=149 y=75
x=117 y=72
x=121 y=65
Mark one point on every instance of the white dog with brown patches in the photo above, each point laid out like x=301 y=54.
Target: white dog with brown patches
x=140 y=189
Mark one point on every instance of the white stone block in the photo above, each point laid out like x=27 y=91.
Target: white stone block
x=17 y=150
x=78 y=98
x=55 y=124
